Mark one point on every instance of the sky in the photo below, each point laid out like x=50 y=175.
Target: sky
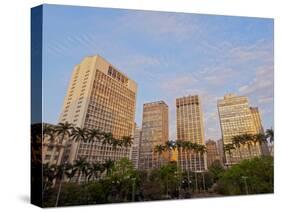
x=169 y=55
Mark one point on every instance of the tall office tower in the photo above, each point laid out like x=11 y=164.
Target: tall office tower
x=259 y=128
x=221 y=151
x=155 y=131
x=136 y=147
x=190 y=128
x=236 y=118
x=257 y=119
x=99 y=97
x=212 y=153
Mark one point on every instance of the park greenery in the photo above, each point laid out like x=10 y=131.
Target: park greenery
x=84 y=182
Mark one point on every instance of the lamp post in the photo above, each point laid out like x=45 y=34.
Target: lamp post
x=246 y=185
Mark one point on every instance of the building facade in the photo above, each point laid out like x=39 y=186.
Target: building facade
x=190 y=128
x=237 y=118
x=135 y=154
x=155 y=130
x=256 y=119
x=212 y=153
x=221 y=151
x=99 y=96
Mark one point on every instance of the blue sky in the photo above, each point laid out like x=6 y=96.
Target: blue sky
x=169 y=55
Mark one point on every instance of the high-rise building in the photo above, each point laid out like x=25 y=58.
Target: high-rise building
x=257 y=119
x=190 y=128
x=99 y=96
x=212 y=152
x=259 y=128
x=136 y=147
x=236 y=118
x=221 y=151
x=154 y=131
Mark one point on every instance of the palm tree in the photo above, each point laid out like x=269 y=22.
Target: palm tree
x=228 y=148
x=195 y=148
x=94 y=135
x=97 y=170
x=79 y=134
x=260 y=138
x=169 y=146
x=108 y=165
x=107 y=138
x=63 y=129
x=180 y=146
x=81 y=165
x=159 y=149
x=269 y=133
x=237 y=141
x=49 y=174
x=187 y=148
x=48 y=132
x=116 y=143
x=248 y=139
x=127 y=141
x=89 y=171
x=70 y=171
x=59 y=176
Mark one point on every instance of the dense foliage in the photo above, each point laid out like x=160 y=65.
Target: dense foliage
x=253 y=176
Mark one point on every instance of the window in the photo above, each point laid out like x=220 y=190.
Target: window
x=47 y=157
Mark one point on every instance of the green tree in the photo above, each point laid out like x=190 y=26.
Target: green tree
x=122 y=178
x=254 y=176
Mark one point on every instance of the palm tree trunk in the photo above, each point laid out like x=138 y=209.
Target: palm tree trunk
x=250 y=151
x=240 y=155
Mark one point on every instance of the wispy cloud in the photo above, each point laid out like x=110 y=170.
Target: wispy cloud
x=160 y=25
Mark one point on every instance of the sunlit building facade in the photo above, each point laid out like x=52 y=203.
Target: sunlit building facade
x=237 y=118
x=257 y=119
x=99 y=96
x=190 y=128
x=155 y=130
x=135 y=150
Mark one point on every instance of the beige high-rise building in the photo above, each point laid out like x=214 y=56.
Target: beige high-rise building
x=212 y=152
x=257 y=119
x=155 y=130
x=99 y=96
x=236 y=118
x=190 y=128
x=221 y=151
x=136 y=147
